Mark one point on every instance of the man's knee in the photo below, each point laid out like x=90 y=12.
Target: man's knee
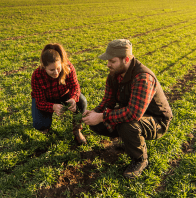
x=93 y=128
x=101 y=129
x=128 y=128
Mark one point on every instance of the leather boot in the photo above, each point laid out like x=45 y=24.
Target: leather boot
x=45 y=131
x=137 y=166
x=80 y=139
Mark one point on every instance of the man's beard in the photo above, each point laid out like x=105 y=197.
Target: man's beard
x=119 y=71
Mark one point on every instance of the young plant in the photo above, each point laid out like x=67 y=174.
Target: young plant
x=77 y=116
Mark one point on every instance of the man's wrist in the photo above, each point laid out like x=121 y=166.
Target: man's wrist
x=101 y=117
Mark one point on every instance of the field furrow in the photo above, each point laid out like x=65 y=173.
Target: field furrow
x=33 y=164
x=96 y=16
x=168 y=37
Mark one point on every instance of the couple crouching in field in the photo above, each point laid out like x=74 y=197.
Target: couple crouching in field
x=134 y=107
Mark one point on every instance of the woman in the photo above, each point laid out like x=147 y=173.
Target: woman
x=53 y=83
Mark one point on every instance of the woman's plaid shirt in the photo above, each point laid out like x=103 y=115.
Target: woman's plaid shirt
x=142 y=92
x=46 y=90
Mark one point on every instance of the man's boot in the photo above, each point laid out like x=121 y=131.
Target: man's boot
x=137 y=166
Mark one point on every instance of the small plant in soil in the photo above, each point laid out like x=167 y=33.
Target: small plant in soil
x=77 y=117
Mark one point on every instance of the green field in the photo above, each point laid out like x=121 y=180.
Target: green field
x=163 y=34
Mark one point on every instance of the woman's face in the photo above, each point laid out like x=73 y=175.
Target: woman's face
x=54 y=69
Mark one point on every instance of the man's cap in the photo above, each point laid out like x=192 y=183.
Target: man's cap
x=117 y=48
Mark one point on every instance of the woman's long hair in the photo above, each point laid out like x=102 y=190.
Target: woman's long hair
x=52 y=53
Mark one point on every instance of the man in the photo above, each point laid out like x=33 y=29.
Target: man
x=134 y=106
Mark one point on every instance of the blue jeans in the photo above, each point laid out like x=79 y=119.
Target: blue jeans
x=43 y=120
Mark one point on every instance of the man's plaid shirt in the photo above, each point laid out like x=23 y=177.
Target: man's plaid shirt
x=46 y=90
x=142 y=92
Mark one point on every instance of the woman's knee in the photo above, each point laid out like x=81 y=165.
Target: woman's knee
x=41 y=120
x=38 y=125
x=82 y=104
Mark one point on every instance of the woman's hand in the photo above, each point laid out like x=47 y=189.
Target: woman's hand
x=57 y=109
x=72 y=103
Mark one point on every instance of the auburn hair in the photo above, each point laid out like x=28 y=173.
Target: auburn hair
x=52 y=53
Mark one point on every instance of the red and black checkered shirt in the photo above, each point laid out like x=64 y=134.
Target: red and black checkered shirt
x=142 y=92
x=46 y=89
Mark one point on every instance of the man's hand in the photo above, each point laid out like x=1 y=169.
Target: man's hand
x=72 y=103
x=92 y=118
x=87 y=112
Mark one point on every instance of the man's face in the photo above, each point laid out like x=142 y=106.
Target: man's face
x=117 y=66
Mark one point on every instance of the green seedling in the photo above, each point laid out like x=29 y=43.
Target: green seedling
x=65 y=107
x=31 y=163
x=77 y=117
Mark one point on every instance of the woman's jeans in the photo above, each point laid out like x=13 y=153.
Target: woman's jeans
x=42 y=120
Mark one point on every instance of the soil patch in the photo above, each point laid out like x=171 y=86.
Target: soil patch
x=84 y=173
x=182 y=86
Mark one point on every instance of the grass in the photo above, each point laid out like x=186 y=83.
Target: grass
x=163 y=37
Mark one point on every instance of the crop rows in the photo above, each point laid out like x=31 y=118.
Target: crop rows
x=71 y=176
x=37 y=165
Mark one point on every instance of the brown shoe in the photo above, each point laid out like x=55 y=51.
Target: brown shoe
x=80 y=139
x=45 y=131
x=135 y=168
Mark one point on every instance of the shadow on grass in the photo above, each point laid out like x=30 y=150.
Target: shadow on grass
x=17 y=138
x=80 y=178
